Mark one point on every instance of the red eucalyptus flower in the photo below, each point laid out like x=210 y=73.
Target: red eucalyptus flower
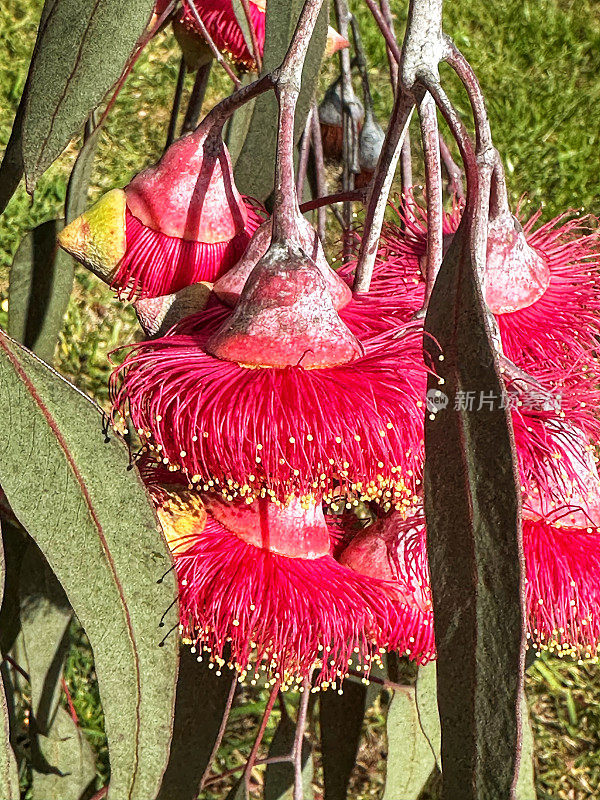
x=280 y=397
x=562 y=586
x=260 y=590
x=177 y=223
x=542 y=283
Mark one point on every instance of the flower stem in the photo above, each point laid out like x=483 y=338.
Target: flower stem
x=287 y=82
x=433 y=186
x=219 y=58
x=253 y=37
x=299 y=740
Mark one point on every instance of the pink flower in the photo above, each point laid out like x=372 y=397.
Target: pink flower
x=177 y=223
x=261 y=591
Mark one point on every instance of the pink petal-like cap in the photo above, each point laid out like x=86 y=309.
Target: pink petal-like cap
x=230 y=285
x=285 y=317
x=516 y=276
x=190 y=194
x=295 y=528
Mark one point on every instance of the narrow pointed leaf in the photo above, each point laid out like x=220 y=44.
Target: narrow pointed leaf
x=341 y=718
x=279 y=778
x=410 y=759
x=79 y=180
x=41 y=280
x=62 y=761
x=69 y=759
x=526 y=781
x=91 y=518
x=12 y=168
x=473 y=538
x=9 y=778
x=45 y=616
x=199 y=707
x=15 y=542
x=41 y=277
x=240 y=15
x=427 y=708
x=254 y=166
x=81 y=51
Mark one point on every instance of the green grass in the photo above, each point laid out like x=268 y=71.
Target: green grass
x=538 y=62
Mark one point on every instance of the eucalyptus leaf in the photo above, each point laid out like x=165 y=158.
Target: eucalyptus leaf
x=82 y=48
x=199 y=707
x=9 y=778
x=40 y=284
x=253 y=132
x=15 y=542
x=410 y=759
x=341 y=719
x=427 y=709
x=69 y=759
x=279 y=778
x=472 y=507
x=45 y=617
x=12 y=168
x=240 y=15
x=526 y=781
x=92 y=519
x=79 y=180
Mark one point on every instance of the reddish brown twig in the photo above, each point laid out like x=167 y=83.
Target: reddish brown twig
x=299 y=740
x=72 y=711
x=359 y=195
x=259 y=736
x=387 y=31
x=304 y=154
x=455 y=174
x=386 y=12
x=220 y=734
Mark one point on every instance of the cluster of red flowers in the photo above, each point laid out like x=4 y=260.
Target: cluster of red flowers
x=274 y=404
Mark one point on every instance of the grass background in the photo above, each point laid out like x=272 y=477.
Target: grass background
x=539 y=65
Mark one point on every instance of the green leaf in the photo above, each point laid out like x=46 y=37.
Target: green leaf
x=427 y=709
x=410 y=759
x=279 y=778
x=79 y=181
x=81 y=51
x=15 y=542
x=62 y=761
x=92 y=519
x=41 y=280
x=526 y=781
x=71 y=766
x=473 y=538
x=341 y=718
x=9 y=778
x=12 y=167
x=255 y=138
x=199 y=707
x=41 y=276
x=240 y=15
x=45 y=616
